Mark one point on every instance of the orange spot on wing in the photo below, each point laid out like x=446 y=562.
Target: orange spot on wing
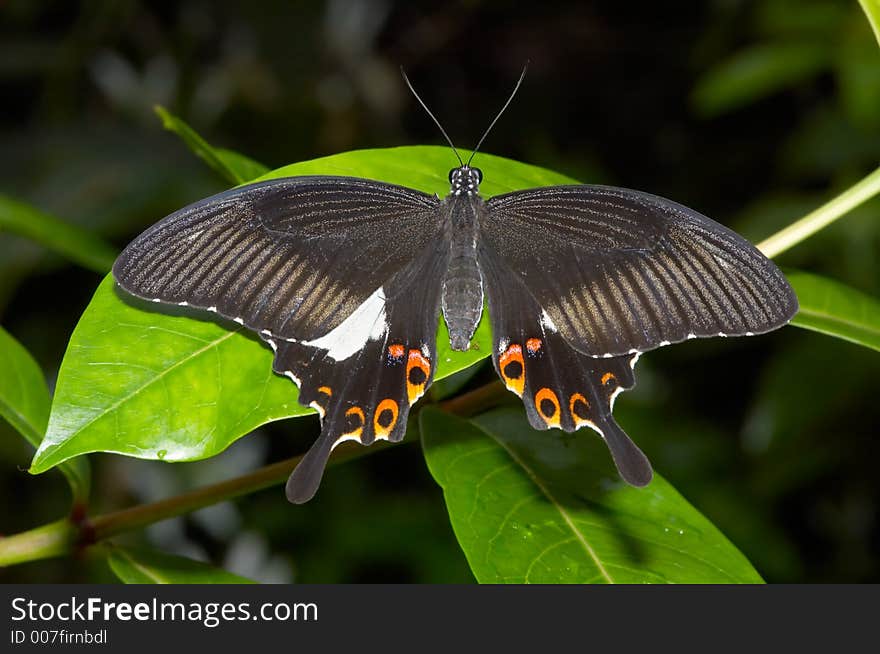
x=418 y=371
x=533 y=345
x=357 y=431
x=608 y=376
x=395 y=351
x=383 y=424
x=513 y=368
x=326 y=390
x=578 y=406
x=547 y=405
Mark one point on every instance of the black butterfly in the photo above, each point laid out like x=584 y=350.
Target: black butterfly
x=345 y=278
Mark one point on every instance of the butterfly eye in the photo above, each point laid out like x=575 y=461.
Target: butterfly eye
x=452 y=175
x=479 y=174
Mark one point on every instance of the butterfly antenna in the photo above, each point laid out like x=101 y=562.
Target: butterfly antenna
x=489 y=129
x=437 y=122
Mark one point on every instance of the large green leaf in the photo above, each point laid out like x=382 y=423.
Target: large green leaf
x=24 y=403
x=232 y=166
x=72 y=242
x=162 y=384
x=835 y=309
x=544 y=507
x=134 y=565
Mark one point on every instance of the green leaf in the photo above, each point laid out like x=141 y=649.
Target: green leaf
x=158 y=383
x=24 y=403
x=545 y=507
x=143 y=566
x=71 y=242
x=155 y=385
x=756 y=73
x=835 y=309
x=232 y=166
x=872 y=11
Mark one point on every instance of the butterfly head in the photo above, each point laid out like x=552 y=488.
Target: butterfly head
x=465 y=180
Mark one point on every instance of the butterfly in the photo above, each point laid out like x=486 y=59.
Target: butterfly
x=345 y=279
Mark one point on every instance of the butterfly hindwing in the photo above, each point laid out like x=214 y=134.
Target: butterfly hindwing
x=559 y=386
x=619 y=271
x=364 y=376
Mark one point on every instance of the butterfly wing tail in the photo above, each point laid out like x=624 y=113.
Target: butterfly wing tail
x=306 y=477
x=630 y=461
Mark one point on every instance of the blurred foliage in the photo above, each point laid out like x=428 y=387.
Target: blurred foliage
x=752 y=111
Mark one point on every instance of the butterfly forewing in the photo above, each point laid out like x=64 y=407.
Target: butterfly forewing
x=619 y=271
x=293 y=257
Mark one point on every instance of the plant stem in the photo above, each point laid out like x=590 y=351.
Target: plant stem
x=53 y=539
x=111 y=524
x=477 y=400
x=63 y=536
x=822 y=217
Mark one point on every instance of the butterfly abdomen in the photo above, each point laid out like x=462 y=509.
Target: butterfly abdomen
x=462 y=295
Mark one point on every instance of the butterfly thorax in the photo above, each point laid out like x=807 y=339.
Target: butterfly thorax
x=462 y=297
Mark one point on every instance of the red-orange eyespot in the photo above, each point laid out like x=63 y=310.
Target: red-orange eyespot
x=384 y=418
x=395 y=351
x=320 y=404
x=547 y=405
x=354 y=422
x=607 y=377
x=512 y=368
x=418 y=370
x=533 y=345
x=579 y=407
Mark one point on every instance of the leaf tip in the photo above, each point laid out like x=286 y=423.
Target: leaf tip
x=164 y=115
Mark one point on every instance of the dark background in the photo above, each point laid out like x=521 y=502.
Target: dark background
x=751 y=112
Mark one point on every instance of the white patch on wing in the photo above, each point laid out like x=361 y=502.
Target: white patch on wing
x=503 y=344
x=592 y=425
x=366 y=323
x=547 y=322
x=617 y=391
x=317 y=407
